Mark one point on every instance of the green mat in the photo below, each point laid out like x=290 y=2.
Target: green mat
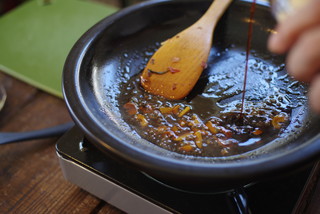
x=36 y=38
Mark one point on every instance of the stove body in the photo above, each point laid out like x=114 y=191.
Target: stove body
x=134 y=192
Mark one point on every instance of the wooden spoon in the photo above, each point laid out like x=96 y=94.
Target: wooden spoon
x=176 y=66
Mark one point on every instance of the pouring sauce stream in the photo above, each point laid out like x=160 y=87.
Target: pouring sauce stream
x=249 y=38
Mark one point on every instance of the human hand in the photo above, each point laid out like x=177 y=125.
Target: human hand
x=299 y=35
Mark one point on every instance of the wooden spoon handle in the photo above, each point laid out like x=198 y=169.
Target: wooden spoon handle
x=214 y=13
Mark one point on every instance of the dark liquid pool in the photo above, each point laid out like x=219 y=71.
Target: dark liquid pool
x=209 y=122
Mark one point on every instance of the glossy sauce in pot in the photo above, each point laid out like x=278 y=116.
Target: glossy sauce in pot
x=215 y=120
x=208 y=123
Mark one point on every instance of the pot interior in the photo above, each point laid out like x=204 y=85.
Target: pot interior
x=119 y=47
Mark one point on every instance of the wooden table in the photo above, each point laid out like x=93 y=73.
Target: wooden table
x=30 y=177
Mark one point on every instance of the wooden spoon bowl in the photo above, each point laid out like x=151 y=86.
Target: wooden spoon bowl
x=176 y=66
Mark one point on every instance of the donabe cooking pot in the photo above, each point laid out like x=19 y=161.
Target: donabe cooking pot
x=119 y=46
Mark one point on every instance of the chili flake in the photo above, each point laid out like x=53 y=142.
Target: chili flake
x=174 y=86
x=173 y=70
x=277 y=120
x=131 y=108
x=184 y=111
x=204 y=65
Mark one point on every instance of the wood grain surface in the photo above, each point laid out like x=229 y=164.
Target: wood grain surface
x=30 y=177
